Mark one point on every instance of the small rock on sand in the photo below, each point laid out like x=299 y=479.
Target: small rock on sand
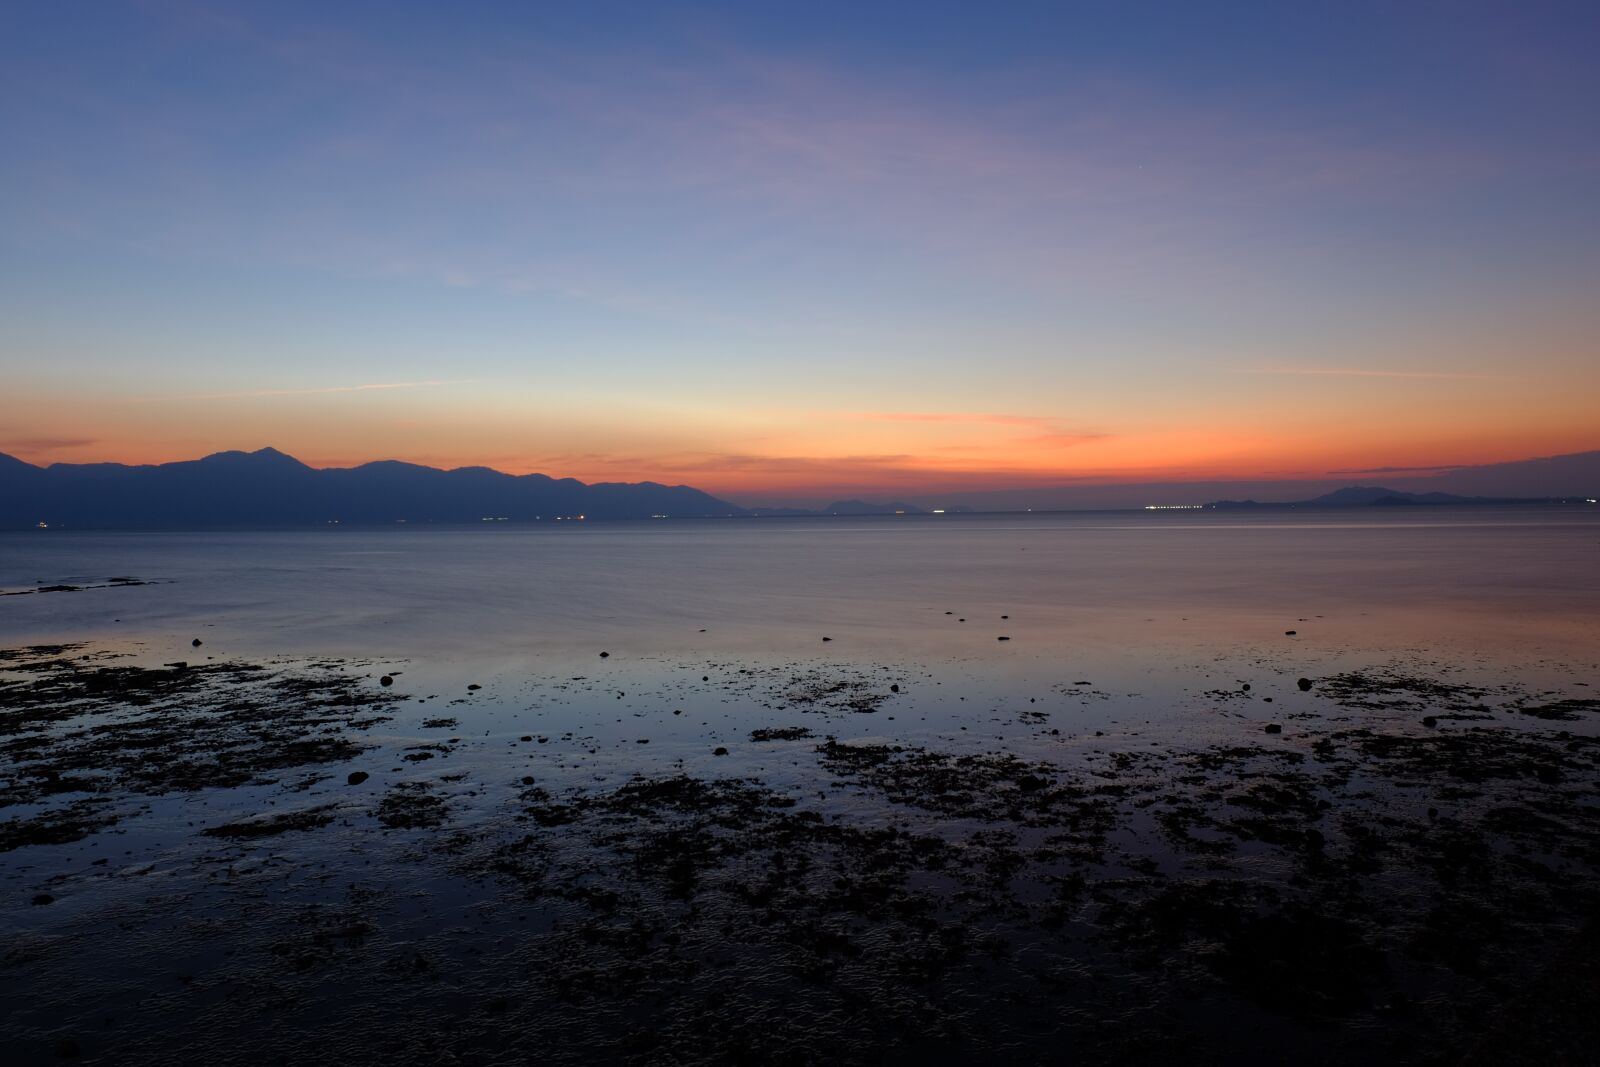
x=1304 y=684
x=1273 y=728
x=195 y=642
x=356 y=777
x=719 y=751
x=386 y=680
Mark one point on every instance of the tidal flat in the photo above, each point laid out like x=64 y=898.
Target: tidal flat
x=672 y=833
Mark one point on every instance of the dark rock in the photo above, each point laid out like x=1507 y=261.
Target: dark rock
x=780 y=733
x=43 y=898
x=386 y=680
x=526 y=737
x=1290 y=633
x=827 y=639
x=356 y=777
x=1430 y=721
x=1273 y=728
x=1304 y=684
x=719 y=751
x=895 y=688
x=527 y=779
x=196 y=642
x=474 y=685
x=1002 y=637
x=605 y=655
x=1245 y=687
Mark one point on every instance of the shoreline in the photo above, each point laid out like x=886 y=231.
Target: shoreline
x=1372 y=878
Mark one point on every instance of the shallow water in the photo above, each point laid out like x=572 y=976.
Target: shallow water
x=1146 y=653
x=770 y=587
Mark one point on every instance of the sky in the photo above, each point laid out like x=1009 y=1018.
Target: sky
x=793 y=252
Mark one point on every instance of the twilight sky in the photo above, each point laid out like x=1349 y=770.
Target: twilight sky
x=789 y=252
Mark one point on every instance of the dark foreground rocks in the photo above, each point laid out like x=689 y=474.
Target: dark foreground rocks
x=1359 y=888
x=82 y=734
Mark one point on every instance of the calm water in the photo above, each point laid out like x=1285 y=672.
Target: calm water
x=1486 y=581
x=1132 y=640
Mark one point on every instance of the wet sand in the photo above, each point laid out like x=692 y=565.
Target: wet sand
x=647 y=858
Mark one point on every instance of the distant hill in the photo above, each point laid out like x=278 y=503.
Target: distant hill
x=1575 y=474
x=268 y=488
x=1374 y=496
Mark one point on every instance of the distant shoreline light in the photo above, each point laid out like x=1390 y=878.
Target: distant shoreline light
x=1175 y=507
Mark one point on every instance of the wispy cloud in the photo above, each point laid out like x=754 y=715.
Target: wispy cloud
x=1052 y=432
x=781 y=465
x=1366 y=372
x=1405 y=470
x=938 y=416
x=250 y=394
x=48 y=444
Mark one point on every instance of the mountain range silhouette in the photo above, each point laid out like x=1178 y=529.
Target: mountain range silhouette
x=269 y=488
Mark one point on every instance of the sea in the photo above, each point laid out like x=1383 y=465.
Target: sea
x=903 y=675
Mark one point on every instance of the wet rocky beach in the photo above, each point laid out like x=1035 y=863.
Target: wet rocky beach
x=227 y=860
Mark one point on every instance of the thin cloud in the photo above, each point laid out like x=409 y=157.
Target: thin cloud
x=781 y=465
x=1362 y=372
x=1065 y=440
x=1051 y=431
x=1405 y=470
x=48 y=444
x=365 y=388
x=940 y=416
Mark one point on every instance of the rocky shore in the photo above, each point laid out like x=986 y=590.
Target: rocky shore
x=235 y=860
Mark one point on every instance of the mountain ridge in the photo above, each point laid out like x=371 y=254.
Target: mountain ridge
x=271 y=488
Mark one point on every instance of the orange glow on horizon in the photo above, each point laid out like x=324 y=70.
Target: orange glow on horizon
x=1215 y=427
